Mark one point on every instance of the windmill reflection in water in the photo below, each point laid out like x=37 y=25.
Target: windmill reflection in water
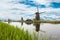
x=36 y=22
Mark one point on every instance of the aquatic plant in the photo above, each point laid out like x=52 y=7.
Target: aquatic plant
x=9 y=32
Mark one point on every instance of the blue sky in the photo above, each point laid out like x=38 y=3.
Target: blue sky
x=15 y=9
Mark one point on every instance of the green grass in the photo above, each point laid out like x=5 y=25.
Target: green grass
x=9 y=32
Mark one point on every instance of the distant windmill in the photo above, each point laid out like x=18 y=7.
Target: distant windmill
x=37 y=18
x=29 y=21
x=37 y=24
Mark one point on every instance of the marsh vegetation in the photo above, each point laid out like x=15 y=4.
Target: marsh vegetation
x=9 y=32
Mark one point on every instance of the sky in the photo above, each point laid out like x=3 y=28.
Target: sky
x=15 y=9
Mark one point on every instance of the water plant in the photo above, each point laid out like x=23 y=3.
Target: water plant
x=9 y=32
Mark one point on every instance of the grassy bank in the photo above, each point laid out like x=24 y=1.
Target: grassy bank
x=8 y=32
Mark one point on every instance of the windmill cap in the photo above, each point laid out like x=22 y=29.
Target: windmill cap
x=37 y=13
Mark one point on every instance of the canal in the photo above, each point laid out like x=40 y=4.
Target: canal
x=46 y=29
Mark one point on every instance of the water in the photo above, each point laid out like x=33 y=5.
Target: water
x=49 y=29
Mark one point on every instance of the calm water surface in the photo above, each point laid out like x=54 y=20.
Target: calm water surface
x=50 y=29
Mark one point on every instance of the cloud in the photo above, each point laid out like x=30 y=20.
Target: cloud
x=55 y=5
x=42 y=3
x=15 y=9
x=51 y=14
x=58 y=1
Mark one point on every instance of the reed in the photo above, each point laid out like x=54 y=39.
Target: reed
x=9 y=32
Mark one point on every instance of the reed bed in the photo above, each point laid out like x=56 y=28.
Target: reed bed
x=9 y=32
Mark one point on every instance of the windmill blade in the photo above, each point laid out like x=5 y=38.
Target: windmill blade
x=41 y=12
x=43 y=31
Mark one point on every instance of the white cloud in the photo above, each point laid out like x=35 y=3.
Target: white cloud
x=47 y=3
x=51 y=13
x=41 y=1
x=55 y=1
x=13 y=10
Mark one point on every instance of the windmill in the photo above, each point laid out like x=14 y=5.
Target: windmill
x=35 y=22
x=37 y=18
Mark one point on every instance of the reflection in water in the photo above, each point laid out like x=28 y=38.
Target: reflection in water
x=51 y=29
x=37 y=26
x=21 y=21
